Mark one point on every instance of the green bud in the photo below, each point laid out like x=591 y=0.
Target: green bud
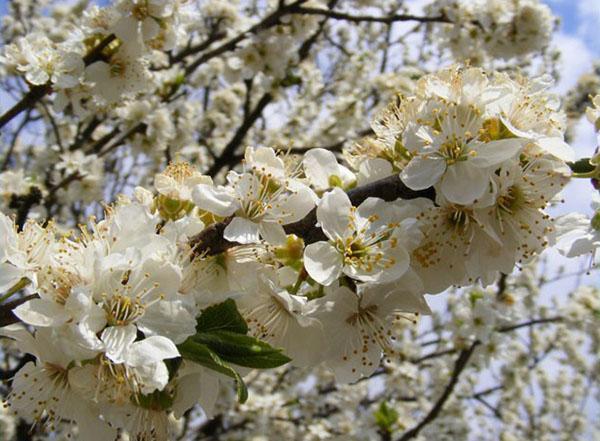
x=335 y=181
x=172 y=209
x=596 y=221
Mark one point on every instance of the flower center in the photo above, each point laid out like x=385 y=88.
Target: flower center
x=459 y=218
x=512 y=200
x=363 y=315
x=140 y=11
x=179 y=171
x=122 y=310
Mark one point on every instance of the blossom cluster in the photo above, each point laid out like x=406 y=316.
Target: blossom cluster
x=495 y=29
x=211 y=264
x=123 y=336
x=492 y=147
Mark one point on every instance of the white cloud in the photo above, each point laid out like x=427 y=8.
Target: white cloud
x=576 y=59
x=588 y=15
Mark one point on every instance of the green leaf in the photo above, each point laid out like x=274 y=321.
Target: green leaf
x=242 y=350
x=385 y=417
x=222 y=317
x=201 y=354
x=582 y=166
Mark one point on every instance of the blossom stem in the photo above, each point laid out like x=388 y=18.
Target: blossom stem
x=17 y=287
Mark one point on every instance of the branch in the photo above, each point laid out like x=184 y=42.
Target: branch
x=459 y=366
x=269 y=21
x=211 y=241
x=6 y=315
x=502 y=330
x=336 y=15
x=240 y=134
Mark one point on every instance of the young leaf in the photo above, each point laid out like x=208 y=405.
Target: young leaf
x=222 y=317
x=242 y=350
x=385 y=417
x=201 y=354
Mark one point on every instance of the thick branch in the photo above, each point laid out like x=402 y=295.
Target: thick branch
x=336 y=15
x=211 y=241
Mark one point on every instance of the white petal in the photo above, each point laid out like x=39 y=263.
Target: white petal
x=319 y=164
x=218 y=200
x=463 y=183
x=8 y=237
x=118 y=340
x=170 y=319
x=272 y=232
x=371 y=170
x=97 y=72
x=151 y=350
x=495 y=152
x=166 y=185
x=127 y=29
x=422 y=172
x=9 y=276
x=266 y=161
x=558 y=148
x=150 y=28
x=293 y=207
x=247 y=186
x=42 y=313
x=333 y=213
x=323 y=262
x=195 y=387
x=242 y=230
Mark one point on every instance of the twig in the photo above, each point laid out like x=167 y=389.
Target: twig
x=211 y=241
x=459 y=366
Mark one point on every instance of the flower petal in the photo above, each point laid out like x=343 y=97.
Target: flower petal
x=151 y=350
x=495 y=152
x=218 y=200
x=42 y=313
x=423 y=172
x=333 y=213
x=557 y=147
x=117 y=341
x=242 y=230
x=272 y=232
x=323 y=262
x=463 y=183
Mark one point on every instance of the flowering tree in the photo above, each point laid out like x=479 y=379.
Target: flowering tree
x=220 y=220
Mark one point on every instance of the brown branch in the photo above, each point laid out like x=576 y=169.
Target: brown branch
x=7 y=317
x=240 y=134
x=504 y=329
x=269 y=21
x=459 y=365
x=211 y=241
x=336 y=15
